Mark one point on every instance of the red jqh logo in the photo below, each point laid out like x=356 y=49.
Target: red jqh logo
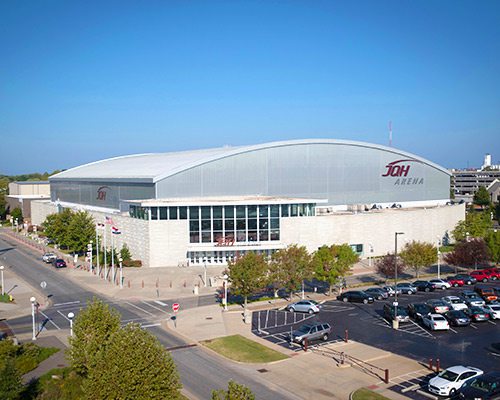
x=394 y=169
x=101 y=193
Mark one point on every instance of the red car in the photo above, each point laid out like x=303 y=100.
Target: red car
x=494 y=273
x=480 y=275
x=455 y=282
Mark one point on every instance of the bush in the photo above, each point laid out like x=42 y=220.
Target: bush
x=132 y=263
x=60 y=384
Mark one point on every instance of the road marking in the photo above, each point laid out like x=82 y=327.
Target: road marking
x=491 y=322
x=473 y=326
x=161 y=303
x=156 y=308
x=50 y=320
x=453 y=330
x=150 y=325
x=139 y=308
x=64 y=316
x=67 y=303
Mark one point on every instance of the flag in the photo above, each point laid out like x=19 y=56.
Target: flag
x=115 y=230
x=109 y=220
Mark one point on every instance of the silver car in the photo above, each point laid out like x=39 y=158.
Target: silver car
x=310 y=332
x=306 y=306
x=49 y=257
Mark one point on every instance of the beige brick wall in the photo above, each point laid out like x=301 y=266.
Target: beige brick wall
x=169 y=241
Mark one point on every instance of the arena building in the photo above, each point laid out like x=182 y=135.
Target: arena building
x=206 y=207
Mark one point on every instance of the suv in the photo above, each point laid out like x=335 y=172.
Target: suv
x=392 y=312
x=424 y=286
x=485 y=386
x=310 y=332
x=417 y=310
x=357 y=296
x=487 y=293
x=407 y=288
x=480 y=275
x=494 y=273
x=307 y=306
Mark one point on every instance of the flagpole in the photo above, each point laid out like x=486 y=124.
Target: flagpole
x=112 y=257
x=97 y=250
x=105 y=255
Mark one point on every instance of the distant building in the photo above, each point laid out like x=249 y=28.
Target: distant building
x=494 y=191
x=21 y=194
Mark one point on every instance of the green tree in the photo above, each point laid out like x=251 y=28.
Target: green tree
x=67 y=386
x=482 y=197
x=493 y=242
x=247 y=274
x=92 y=330
x=17 y=213
x=10 y=380
x=133 y=365
x=333 y=262
x=476 y=224
x=56 y=227
x=234 y=391
x=418 y=255
x=81 y=231
x=296 y=263
x=125 y=253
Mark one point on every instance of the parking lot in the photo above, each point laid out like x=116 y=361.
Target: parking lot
x=366 y=324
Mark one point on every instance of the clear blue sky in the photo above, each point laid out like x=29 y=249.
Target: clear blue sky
x=86 y=80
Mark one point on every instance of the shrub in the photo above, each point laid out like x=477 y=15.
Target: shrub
x=132 y=263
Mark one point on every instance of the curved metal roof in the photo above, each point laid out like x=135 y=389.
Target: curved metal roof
x=154 y=167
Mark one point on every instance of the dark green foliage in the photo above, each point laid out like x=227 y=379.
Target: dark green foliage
x=234 y=391
x=418 y=255
x=10 y=380
x=125 y=253
x=493 y=242
x=17 y=213
x=294 y=266
x=71 y=230
x=133 y=365
x=476 y=224
x=60 y=384
x=482 y=197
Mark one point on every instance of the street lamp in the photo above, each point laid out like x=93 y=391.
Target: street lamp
x=89 y=248
x=225 y=277
x=395 y=322
x=33 y=305
x=120 y=260
x=370 y=254
x=438 y=254
x=70 y=317
x=1 y=271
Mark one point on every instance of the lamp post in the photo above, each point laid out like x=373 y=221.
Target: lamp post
x=370 y=254
x=33 y=305
x=120 y=260
x=1 y=272
x=205 y=271
x=395 y=322
x=17 y=225
x=225 y=277
x=438 y=254
x=70 y=317
x=89 y=248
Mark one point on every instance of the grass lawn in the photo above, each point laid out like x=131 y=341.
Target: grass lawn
x=239 y=348
x=367 y=394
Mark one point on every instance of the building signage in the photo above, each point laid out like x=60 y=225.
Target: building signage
x=400 y=169
x=101 y=193
x=225 y=241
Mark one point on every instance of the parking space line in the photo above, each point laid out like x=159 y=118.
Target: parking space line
x=49 y=319
x=491 y=322
x=453 y=330
x=64 y=316
x=156 y=308
x=473 y=326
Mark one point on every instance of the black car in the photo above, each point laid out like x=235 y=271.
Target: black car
x=377 y=293
x=468 y=280
x=417 y=310
x=59 y=263
x=482 y=387
x=457 y=318
x=356 y=296
x=424 y=286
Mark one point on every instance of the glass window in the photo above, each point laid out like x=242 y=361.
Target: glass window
x=275 y=234
x=294 y=211
x=263 y=224
x=228 y=212
x=240 y=224
x=205 y=212
x=154 y=213
x=229 y=225
x=206 y=237
x=240 y=212
x=252 y=223
x=275 y=223
x=217 y=211
x=183 y=213
x=241 y=236
x=194 y=237
x=252 y=211
x=252 y=236
x=218 y=237
x=194 y=226
x=264 y=235
x=194 y=213
x=217 y=224
x=163 y=212
x=263 y=211
x=206 y=225
x=275 y=211
x=172 y=213
x=284 y=210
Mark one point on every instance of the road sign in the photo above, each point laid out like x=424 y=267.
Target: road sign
x=43 y=284
x=175 y=307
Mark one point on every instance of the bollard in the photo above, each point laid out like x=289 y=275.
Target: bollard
x=157 y=282
x=430 y=364
x=304 y=344
x=342 y=358
x=386 y=378
x=129 y=283
x=437 y=365
x=143 y=283
x=346 y=339
x=170 y=283
x=184 y=283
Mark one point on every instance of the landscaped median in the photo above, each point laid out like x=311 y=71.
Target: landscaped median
x=366 y=394
x=241 y=349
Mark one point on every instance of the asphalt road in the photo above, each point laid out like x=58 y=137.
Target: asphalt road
x=200 y=371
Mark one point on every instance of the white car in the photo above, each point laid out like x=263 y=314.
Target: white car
x=435 y=322
x=49 y=257
x=494 y=310
x=455 y=302
x=440 y=284
x=447 y=382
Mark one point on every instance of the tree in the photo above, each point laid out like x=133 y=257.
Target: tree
x=56 y=226
x=81 y=231
x=295 y=266
x=386 y=266
x=493 y=242
x=468 y=253
x=247 y=274
x=234 y=391
x=333 y=262
x=482 y=197
x=92 y=330
x=476 y=224
x=133 y=365
x=17 y=213
x=418 y=255
x=10 y=380
x=125 y=253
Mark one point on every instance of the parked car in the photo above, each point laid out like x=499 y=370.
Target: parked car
x=392 y=312
x=391 y=290
x=472 y=299
x=440 y=284
x=468 y=280
x=457 y=318
x=377 y=293
x=424 y=286
x=486 y=292
x=49 y=257
x=483 y=387
x=438 y=306
x=406 y=287
x=311 y=332
x=477 y=314
x=356 y=296
x=59 y=263
x=455 y=282
x=435 y=322
x=455 y=302
x=307 y=306
x=450 y=380
x=417 y=310
x=494 y=310
x=494 y=273
x=480 y=275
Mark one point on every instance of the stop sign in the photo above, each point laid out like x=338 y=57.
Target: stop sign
x=175 y=307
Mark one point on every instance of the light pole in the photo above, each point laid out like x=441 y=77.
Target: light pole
x=89 y=250
x=17 y=225
x=33 y=305
x=225 y=277
x=70 y=317
x=3 y=287
x=438 y=254
x=205 y=271
x=120 y=260
x=370 y=254
x=395 y=322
